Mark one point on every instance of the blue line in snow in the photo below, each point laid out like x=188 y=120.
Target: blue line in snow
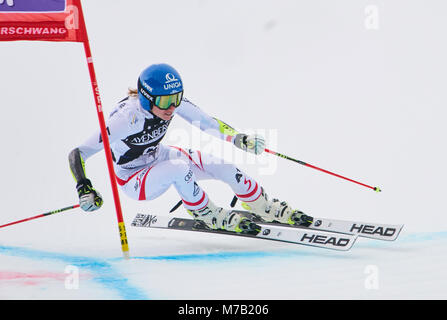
x=218 y=256
x=244 y=255
x=103 y=271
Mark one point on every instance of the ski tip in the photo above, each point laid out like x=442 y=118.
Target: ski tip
x=399 y=229
x=377 y=189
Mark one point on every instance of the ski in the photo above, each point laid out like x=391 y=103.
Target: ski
x=378 y=231
x=302 y=236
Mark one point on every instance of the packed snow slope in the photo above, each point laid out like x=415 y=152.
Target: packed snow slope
x=354 y=87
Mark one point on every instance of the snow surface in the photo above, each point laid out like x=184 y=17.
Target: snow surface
x=314 y=77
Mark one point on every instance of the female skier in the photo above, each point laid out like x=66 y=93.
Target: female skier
x=145 y=168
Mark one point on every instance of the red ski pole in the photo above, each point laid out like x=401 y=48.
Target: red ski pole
x=322 y=170
x=41 y=215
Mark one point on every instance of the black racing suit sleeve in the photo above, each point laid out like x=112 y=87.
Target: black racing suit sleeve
x=77 y=166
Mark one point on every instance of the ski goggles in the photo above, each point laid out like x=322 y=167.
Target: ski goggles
x=165 y=102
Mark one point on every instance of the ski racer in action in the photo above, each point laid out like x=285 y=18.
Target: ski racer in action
x=145 y=168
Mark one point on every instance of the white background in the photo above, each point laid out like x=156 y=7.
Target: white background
x=355 y=87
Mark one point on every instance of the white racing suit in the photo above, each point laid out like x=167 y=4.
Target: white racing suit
x=145 y=168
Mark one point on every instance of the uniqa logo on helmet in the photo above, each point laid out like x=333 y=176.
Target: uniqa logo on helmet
x=174 y=85
x=171 y=82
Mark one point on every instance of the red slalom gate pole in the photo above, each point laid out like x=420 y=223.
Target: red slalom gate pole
x=40 y=215
x=320 y=169
x=105 y=140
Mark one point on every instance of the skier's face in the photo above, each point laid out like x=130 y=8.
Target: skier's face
x=163 y=114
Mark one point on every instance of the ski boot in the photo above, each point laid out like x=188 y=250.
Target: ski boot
x=218 y=218
x=276 y=211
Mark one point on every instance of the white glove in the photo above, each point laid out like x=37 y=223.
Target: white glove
x=91 y=201
x=89 y=198
x=252 y=143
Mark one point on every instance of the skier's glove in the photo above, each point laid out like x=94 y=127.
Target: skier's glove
x=89 y=198
x=252 y=143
